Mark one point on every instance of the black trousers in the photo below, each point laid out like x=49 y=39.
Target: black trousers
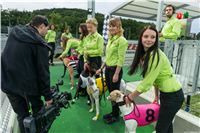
x=109 y=73
x=52 y=45
x=20 y=107
x=80 y=66
x=170 y=103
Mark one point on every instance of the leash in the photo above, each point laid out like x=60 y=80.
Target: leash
x=103 y=89
x=134 y=106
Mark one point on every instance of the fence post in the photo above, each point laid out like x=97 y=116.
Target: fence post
x=196 y=71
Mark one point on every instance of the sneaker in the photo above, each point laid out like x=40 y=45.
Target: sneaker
x=112 y=120
x=107 y=116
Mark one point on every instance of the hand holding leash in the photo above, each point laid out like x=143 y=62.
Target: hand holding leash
x=98 y=72
x=85 y=66
x=60 y=57
x=128 y=100
x=156 y=99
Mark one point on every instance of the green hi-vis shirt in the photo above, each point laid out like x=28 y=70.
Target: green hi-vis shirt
x=171 y=29
x=67 y=35
x=71 y=43
x=80 y=47
x=93 y=45
x=160 y=75
x=116 y=51
x=50 y=36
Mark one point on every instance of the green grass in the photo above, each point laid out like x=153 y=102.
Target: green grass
x=194 y=105
x=77 y=119
x=131 y=78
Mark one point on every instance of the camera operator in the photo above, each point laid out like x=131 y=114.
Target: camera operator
x=25 y=68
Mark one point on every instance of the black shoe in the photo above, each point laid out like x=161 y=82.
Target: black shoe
x=76 y=76
x=52 y=64
x=112 y=120
x=107 y=116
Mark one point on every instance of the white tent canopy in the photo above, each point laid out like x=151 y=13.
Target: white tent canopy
x=148 y=9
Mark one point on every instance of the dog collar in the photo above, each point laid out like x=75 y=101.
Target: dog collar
x=122 y=103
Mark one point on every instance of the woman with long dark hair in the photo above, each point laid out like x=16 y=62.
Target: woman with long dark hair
x=84 y=32
x=70 y=61
x=157 y=71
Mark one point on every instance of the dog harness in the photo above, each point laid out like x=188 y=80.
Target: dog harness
x=144 y=114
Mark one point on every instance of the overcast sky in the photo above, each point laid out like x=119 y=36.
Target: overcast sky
x=101 y=6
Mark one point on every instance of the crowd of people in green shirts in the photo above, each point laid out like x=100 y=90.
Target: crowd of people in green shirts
x=153 y=63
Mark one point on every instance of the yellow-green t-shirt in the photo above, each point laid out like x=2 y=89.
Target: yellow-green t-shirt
x=93 y=45
x=50 y=36
x=171 y=29
x=160 y=75
x=71 y=43
x=116 y=51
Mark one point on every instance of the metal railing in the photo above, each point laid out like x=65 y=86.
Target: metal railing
x=186 y=64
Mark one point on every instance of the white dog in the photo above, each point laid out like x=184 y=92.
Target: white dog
x=143 y=115
x=93 y=93
x=118 y=97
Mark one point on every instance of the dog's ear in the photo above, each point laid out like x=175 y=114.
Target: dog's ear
x=109 y=97
x=90 y=81
x=118 y=95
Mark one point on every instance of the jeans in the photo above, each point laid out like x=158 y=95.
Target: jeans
x=170 y=103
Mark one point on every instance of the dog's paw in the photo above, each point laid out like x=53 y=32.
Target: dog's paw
x=91 y=110
x=95 y=118
x=72 y=88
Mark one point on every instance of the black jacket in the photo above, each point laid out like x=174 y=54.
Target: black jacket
x=24 y=64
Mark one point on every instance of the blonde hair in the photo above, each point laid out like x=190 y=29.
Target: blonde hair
x=116 y=22
x=92 y=21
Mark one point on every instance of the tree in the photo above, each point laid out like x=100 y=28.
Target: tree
x=198 y=36
x=63 y=17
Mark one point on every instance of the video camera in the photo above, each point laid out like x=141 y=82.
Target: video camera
x=42 y=121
